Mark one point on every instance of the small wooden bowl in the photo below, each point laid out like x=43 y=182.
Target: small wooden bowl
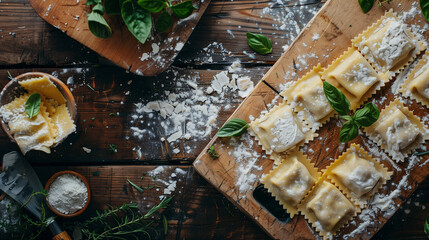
x=48 y=185
x=13 y=89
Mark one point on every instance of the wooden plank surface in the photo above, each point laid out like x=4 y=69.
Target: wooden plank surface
x=337 y=23
x=121 y=47
x=28 y=43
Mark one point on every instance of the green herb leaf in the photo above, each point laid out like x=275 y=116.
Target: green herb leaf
x=259 y=43
x=347 y=117
x=154 y=6
x=183 y=9
x=349 y=131
x=212 y=153
x=98 y=8
x=336 y=99
x=137 y=19
x=427 y=226
x=113 y=148
x=32 y=106
x=112 y=7
x=367 y=115
x=98 y=25
x=165 y=222
x=421 y=153
x=233 y=128
x=90 y=2
x=164 y=22
x=135 y=186
x=366 y=5
x=424 y=5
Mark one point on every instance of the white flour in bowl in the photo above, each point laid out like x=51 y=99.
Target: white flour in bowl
x=67 y=194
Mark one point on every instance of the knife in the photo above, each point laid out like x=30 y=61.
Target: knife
x=19 y=181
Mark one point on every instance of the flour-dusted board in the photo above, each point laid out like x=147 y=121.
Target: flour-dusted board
x=325 y=38
x=122 y=48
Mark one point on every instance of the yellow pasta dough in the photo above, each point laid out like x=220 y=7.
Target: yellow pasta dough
x=280 y=130
x=45 y=130
x=45 y=87
x=398 y=131
x=416 y=86
x=308 y=99
x=327 y=209
x=388 y=44
x=354 y=76
x=358 y=174
x=291 y=180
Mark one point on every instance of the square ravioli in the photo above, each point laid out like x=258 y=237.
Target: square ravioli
x=357 y=174
x=327 y=209
x=307 y=98
x=398 y=131
x=354 y=76
x=280 y=130
x=291 y=180
x=388 y=44
x=416 y=86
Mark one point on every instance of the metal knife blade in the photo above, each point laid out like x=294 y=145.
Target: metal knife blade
x=19 y=181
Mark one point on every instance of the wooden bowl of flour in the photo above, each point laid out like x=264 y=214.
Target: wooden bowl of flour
x=66 y=176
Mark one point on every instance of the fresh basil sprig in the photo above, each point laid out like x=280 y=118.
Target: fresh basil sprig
x=363 y=117
x=424 y=6
x=154 y=6
x=32 y=106
x=259 y=43
x=366 y=5
x=164 y=22
x=235 y=127
x=137 y=19
x=183 y=9
x=336 y=98
x=98 y=25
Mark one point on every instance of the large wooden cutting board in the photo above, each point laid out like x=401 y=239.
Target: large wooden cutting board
x=122 y=47
x=326 y=36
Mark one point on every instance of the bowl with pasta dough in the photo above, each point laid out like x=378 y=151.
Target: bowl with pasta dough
x=54 y=117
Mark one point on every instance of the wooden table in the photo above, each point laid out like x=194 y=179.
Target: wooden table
x=198 y=211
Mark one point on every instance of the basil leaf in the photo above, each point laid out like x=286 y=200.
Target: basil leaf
x=98 y=25
x=183 y=9
x=427 y=226
x=347 y=117
x=349 y=131
x=98 y=8
x=32 y=106
x=259 y=43
x=233 y=128
x=112 y=7
x=92 y=2
x=367 y=115
x=154 y=6
x=424 y=5
x=336 y=99
x=137 y=19
x=366 y=5
x=164 y=22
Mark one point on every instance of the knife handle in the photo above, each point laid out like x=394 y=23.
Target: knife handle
x=62 y=236
x=58 y=233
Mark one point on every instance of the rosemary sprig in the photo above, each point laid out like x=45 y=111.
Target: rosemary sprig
x=121 y=223
x=9 y=76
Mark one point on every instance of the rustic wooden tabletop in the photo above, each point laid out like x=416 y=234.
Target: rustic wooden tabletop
x=107 y=95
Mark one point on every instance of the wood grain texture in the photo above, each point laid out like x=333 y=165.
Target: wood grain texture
x=337 y=23
x=121 y=47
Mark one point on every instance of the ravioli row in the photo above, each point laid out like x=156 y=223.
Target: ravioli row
x=329 y=200
x=359 y=73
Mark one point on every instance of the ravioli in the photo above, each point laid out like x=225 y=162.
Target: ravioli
x=291 y=180
x=358 y=174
